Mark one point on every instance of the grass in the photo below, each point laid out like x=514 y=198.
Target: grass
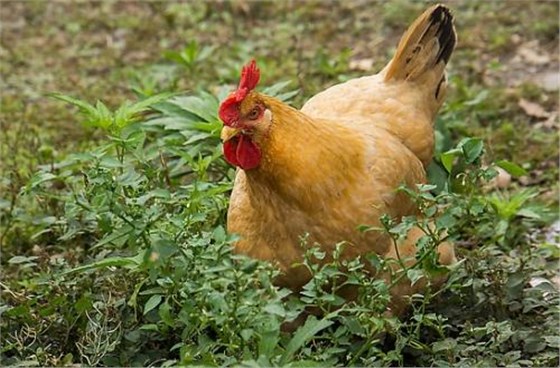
x=113 y=243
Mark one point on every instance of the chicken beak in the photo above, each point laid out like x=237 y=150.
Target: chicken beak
x=228 y=133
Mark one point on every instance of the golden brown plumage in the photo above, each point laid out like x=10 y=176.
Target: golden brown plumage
x=337 y=163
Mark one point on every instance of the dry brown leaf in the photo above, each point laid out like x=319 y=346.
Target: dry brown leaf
x=532 y=53
x=550 y=123
x=549 y=80
x=533 y=109
x=361 y=64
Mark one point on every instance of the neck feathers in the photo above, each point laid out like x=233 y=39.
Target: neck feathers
x=307 y=160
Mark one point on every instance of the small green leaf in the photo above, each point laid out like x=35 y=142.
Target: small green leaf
x=107 y=262
x=149 y=327
x=553 y=341
x=40 y=179
x=84 y=107
x=219 y=235
x=512 y=168
x=152 y=303
x=22 y=259
x=444 y=345
x=276 y=309
x=165 y=313
x=414 y=275
x=528 y=213
x=83 y=304
x=481 y=96
x=246 y=334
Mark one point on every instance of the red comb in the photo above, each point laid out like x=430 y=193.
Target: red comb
x=250 y=75
x=229 y=109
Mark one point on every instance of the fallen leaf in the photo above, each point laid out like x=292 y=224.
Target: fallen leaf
x=549 y=123
x=532 y=53
x=361 y=64
x=533 y=109
x=549 y=80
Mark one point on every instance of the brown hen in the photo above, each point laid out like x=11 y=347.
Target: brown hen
x=337 y=163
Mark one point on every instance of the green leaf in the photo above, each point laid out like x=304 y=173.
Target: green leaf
x=354 y=326
x=277 y=309
x=269 y=340
x=481 y=96
x=305 y=333
x=534 y=344
x=40 y=178
x=438 y=176
x=219 y=235
x=414 y=275
x=528 y=213
x=204 y=107
x=472 y=149
x=165 y=313
x=512 y=168
x=444 y=345
x=149 y=327
x=446 y=221
x=107 y=262
x=152 y=303
x=118 y=237
x=447 y=159
x=553 y=341
x=246 y=334
x=84 y=107
x=22 y=259
x=83 y=304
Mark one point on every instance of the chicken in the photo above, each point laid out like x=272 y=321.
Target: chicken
x=337 y=163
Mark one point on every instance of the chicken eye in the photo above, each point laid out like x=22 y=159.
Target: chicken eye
x=254 y=114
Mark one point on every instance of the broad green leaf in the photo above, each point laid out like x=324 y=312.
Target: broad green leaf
x=276 y=309
x=447 y=159
x=511 y=168
x=438 y=176
x=269 y=341
x=117 y=237
x=204 y=107
x=152 y=303
x=305 y=333
x=472 y=149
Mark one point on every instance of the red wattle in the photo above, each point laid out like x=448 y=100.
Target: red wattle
x=241 y=151
x=248 y=153
x=230 y=151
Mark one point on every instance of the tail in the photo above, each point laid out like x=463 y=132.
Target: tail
x=424 y=50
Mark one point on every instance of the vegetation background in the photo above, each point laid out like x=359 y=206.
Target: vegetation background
x=113 y=192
